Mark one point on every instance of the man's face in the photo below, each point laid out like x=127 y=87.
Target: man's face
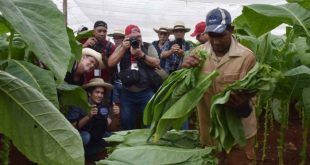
x=118 y=40
x=163 y=36
x=202 y=38
x=89 y=63
x=97 y=95
x=220 y=42
x=179 y=33
x=100 y=33
x=136 y=35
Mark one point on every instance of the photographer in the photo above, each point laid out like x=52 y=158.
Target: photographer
x=173 y=52
x=135 y=58
x=93 y=125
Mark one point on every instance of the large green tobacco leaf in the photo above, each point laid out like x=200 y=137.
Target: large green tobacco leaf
x=154 y=155
x=263 y=18
x=304 y=3
x=38 y=78
x=181 y=139
x=36 y=126
x=3 y=27
x=41 y=25
x=73 y=95
x=226 y=127
x=76 y=48
x=182 y=108
x=306 y=102
x=302 y=50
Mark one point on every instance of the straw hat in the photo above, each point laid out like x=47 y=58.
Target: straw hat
x=98 y=82
x=95 y=54
x=179 y=25
x=117 y=32
x=162 y=29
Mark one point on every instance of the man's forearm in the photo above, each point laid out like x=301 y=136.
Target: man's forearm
x=166 y=54
x=117 y=55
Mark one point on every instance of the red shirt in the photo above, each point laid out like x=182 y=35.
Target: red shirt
x=102 y=48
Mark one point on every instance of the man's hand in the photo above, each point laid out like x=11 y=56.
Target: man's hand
x=115 y=109
x=93 y=111
x=239 y=100
x=126 y=43
x=90 y=42
x=191 y=61
x=137 y=53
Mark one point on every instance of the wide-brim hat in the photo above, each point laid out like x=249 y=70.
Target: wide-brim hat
x=162 y=29
x=117 y=32
x=95 y=54
x=98 y=82
x=179 y=25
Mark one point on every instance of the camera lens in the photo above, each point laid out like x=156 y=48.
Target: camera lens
x=134 y=43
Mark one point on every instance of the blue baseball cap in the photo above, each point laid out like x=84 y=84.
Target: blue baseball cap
x=217 y=20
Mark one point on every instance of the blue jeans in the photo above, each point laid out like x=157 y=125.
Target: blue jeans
x=132 y=107
x=85 y=137
x=117 y=90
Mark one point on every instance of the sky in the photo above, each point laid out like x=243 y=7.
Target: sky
x=149 y=14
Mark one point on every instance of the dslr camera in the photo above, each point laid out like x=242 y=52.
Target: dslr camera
x=134 y=43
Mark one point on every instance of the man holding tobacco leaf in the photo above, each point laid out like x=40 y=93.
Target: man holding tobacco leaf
x=233 y=61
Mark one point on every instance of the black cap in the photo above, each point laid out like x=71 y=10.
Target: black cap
x=100 y=23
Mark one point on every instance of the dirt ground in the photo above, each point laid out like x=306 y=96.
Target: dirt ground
x=292 y=146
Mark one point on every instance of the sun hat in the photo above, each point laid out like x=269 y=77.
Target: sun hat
x=162 y=29
x=95 y=54
x=97 y=82
x=179 y=25
x=117 y=32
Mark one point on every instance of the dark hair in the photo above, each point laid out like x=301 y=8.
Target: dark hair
x=84 y=29
x=100 y=23
x=229 y=27
x=91 y=89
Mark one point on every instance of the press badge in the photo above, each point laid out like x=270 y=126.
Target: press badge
x=134 y=66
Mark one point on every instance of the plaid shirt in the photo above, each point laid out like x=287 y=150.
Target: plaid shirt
x=174 y=62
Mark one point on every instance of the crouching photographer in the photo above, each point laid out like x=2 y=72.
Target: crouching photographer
x=92 y=125
x=135 y=58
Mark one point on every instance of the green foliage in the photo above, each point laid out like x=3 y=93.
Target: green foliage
x=304 y=3
x=226 y=126
x=154 y=155
x=180 y=139
x=73 y=95
x=29 y=113
x=35 y=125
x=35 y=77
x=175 y=147
x=41 y=25
x=5 y=150
x=177 y=98
x=272 y=16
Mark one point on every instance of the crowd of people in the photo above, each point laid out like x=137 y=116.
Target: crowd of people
x=117 y=77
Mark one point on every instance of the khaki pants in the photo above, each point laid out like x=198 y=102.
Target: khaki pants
x=239 y=155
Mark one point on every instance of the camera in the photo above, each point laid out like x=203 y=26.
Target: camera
x=134 y=43
x=179 y=41
x=102 y=112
